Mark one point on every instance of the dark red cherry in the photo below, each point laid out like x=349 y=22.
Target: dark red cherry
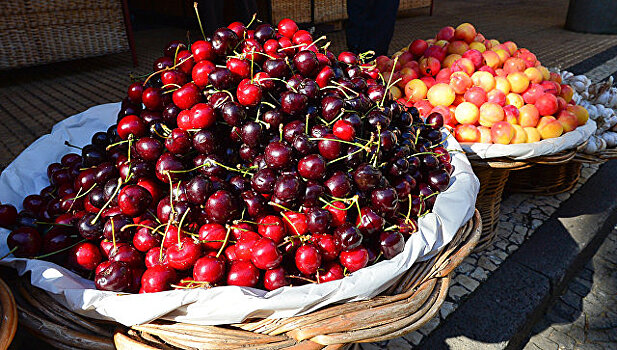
x=312 y=167
x=306 y=63
x=338 y=184
x=348 y=235
x=330 y=148
x=133 y=200
x=369 y=222
x=221 y=206
x=391 y=244
x=115 y=227
x=27 y=240
x=318 y=220
x=8 y=215
x=278 y=155
x=116 y=277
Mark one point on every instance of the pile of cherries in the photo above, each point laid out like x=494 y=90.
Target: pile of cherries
x=253 y=158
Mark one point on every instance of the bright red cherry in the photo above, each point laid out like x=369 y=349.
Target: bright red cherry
x=183 y=255
x=186 y=96
x=202 y=116
x=287 y=28
x=131 y=125
x=332 y=271
x=242 y=273
x=275 y=278
x=212 y=236
x=209 y=269
x=265 y=255
x=86 y=255
x=344 y=130
x=249 y=94
x=202 y=50
x=157 y=279
x=354 y=259
x=308 y=259
x=271 y=226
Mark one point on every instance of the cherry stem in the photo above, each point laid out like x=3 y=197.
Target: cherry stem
x=57 y=251
x=344 y=87
x=253 y=223
x=301 y=278
x=336 y=88
x=376 y=155
x=70 y=145
x=10 y=252
x=389 y=80
x=98 y=215
x=224 y=242
x=352 y=153
x=116 y=144
x=199 y=20
x=408 y=207
x=252 y=20
x=316 y=41
x=280 y=206
x=181 y=222
x=337 y=140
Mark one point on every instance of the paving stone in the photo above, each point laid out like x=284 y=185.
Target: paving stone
x=512 y=248
x=577 y=333
x=430 y=326
x=398 y=344
x=414 y=337
x=572 y=299
x=546 y=344
x=562 y=339
x=479 y=274
x=468 y=282
x=464 y=268
x=370 y=346
x=446 y=309
x=457 y=292
x=535 y=223
x=485 y=263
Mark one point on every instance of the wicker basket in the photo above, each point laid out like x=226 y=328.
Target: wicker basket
x=599 y=157
x=548 y=175
x=8 y=323
x=493 y=175
x=37 y=32
x=300 y=11
x=403 y=308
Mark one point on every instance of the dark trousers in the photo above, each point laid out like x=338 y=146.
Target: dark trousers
x=370 y=25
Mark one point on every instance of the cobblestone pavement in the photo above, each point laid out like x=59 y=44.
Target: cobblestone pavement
x=585 y=316
x=521 y=215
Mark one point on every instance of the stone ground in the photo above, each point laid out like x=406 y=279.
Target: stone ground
x=585 y=316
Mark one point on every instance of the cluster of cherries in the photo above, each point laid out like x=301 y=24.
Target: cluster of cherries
x=253 y=158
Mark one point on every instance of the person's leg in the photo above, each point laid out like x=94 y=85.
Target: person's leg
x=355 y=28
x=384 y=25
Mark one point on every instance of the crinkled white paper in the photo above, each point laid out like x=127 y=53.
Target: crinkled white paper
x=220 y=305
x=521 y=151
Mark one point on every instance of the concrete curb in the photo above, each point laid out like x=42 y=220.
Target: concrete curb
x=502 y=311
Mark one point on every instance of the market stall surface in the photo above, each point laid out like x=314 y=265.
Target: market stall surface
x=33 y=99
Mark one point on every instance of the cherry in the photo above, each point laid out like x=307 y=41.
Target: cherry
x=221 y=206
x=116 y=277
x=135 y=91
x=209 y=269
x=173 y=77
x=263 y=32
x=144 y=238
x=178 y=142
x=325 y=75
x=224 y=40
x=332 y=271
x=27 y=240
x=391 y=244
x=338 y=184
x=312 y=167
x=149 y=149
x=221 y=78
x=369 y=222
x=275 y=278
x=183 y=255
x=339 y=214
x=295 y=223
x=263 y=181
x=187 y=64
x=271 y=226
x=344 y=130
x=348 y=57
x=331 y=107
x=202 y=116
x=265 y=255
x=330 y=149
x=129 y=125
x=156 y=257
x=85 y=256
x=255 y=203
x=318 y=220
x=328 y=245
x=133 y=200
x=287 y=187
x=186 y=96
x=354 y=259
x=294 y=104
x=212 y=236
x=249 y=94
x=152 y=98
x=276 y=68
x=202 y=50
x=173 y=47
x=302 y=37
x=56 y=240
x=349 y=236
x=308 y=259
x=287 y=27
x=306 y=63
x=127 y=254
x=115 y=227
x=201 y=72
x=366 y=177
x=8 y=215
x=242 y=273
x=439 y=179
x=157 y=279
x=384 y=200
x=435 y=120
x=167 y=168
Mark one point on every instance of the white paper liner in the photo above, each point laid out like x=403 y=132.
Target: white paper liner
x=521 y=151
x=226 y=304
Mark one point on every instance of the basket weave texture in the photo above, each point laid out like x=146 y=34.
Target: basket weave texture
x=300 y=10
x=411 y=302
x=405 y=5
x=8 y=312
x=38 y=32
